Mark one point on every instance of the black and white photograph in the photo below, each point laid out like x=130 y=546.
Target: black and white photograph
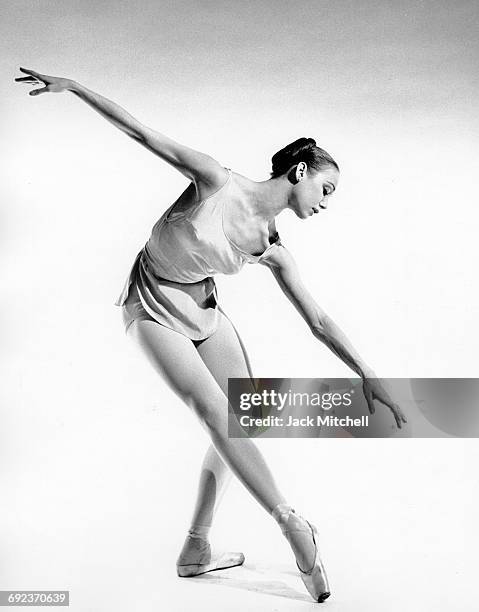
x=239 y=305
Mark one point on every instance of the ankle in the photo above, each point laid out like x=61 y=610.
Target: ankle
x=199 y=531
x=281 y=513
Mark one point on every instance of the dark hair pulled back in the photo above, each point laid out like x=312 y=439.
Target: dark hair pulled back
x=301 y=150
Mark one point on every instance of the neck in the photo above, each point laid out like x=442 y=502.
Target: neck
x=270 y=197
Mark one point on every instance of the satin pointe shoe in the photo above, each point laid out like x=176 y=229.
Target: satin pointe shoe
x=195 y=559
x=314 y=576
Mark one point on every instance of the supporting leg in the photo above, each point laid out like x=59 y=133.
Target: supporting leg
x=214 y=478
x=225 y=356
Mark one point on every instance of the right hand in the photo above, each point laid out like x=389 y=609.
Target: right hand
x=52 y=84
x=374 y=390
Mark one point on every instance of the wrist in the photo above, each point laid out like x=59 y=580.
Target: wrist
x=366 y=372
x=72 y=85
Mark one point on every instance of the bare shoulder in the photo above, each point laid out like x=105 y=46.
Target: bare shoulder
x=280 y=260
x=210 y=183
x=199 y=167
x=245 y=186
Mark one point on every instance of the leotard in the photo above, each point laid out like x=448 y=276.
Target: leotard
x=172 y=275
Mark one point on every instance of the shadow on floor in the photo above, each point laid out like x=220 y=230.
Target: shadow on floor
x=270 y=580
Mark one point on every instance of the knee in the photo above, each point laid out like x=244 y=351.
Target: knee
x=212 y=416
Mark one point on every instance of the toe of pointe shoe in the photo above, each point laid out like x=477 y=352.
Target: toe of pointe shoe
x=316 y=583
x=315 y=580
x=223 y=561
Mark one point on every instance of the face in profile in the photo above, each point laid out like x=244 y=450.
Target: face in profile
x=312 y=190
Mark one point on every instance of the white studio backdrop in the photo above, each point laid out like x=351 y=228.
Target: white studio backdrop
x=100 y=460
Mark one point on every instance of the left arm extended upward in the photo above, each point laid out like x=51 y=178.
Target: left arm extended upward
x=204 y=171
x=286 y=272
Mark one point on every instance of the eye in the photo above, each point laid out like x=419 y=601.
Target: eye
x=325 y=192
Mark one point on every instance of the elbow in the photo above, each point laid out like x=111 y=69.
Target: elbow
x=139 y=132
x=137 y=135
x=319 y=328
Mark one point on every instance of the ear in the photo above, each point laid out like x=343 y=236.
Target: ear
x=301 y=170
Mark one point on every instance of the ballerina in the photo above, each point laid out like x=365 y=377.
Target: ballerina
x=170 y=309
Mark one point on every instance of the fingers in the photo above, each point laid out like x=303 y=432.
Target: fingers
x=33 y=78
x=32 y=72
x=28 y=79
x=395 y=409
x=401 y=414
x=398 y=420
x=36 y=92
x=370 y=401
x=398 y=414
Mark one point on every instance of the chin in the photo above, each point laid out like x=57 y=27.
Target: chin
x=302 y=214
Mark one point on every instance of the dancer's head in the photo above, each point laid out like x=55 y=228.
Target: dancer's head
x=312 y=172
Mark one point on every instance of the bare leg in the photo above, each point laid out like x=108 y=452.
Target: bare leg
x=177 y=360
x=175 y=357
x=230 y=362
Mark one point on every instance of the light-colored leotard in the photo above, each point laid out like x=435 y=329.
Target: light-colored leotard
x=185 y=250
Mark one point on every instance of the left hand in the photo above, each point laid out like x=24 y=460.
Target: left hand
x=372 y=390
x=52 y=84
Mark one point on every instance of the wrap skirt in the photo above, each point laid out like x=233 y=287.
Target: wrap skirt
x=188 y=308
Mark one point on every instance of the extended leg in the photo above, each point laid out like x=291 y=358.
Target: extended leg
x=177 y=360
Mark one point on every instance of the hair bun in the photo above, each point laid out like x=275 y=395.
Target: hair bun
x=302 y=149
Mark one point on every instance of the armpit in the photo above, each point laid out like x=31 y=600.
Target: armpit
x=272 y=250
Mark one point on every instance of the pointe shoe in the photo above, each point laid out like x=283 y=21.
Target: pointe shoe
x=197 y=560
x=314 y=578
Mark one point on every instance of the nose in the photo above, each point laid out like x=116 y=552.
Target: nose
x=324 y=201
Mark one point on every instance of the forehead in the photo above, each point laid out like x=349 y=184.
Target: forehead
x=327 y=175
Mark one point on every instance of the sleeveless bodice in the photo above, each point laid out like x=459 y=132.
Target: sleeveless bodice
x=173 y=273
x=188 y=246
